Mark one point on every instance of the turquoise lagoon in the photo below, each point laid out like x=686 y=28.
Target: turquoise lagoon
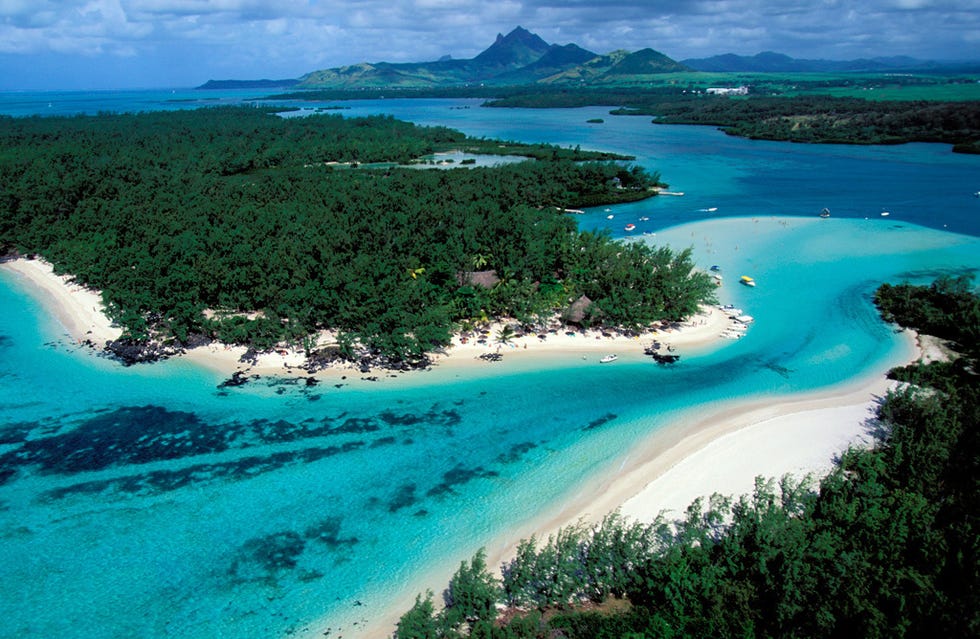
x=146 y=502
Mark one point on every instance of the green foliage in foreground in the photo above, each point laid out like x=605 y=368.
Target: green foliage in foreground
x=246 y=215
x=947 y=309
x=887 y=546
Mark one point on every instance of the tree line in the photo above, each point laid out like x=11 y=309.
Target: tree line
x=247 y=227
x=885 y=546
x=827 y=119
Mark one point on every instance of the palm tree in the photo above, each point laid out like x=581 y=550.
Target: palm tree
x=506 y=334
x=480 y=260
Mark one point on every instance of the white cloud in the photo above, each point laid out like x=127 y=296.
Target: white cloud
x=291 y=38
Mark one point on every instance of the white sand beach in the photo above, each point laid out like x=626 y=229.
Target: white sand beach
x=78 y=309
x=800 y=437
x=81 y=312
x=463 y=355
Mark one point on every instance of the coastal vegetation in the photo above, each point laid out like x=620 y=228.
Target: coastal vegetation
x=884 y=546
x=828 y=119
x=244 y=226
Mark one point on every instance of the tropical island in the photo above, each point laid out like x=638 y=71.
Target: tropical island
x=246 y=227
x=340 y=238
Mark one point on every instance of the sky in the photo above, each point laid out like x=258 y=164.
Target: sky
x=112 y=44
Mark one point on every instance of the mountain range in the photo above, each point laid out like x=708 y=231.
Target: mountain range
x=523 y=58
x=518 y=58
x=770 y=62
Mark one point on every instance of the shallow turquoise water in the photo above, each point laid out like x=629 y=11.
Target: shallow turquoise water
x=145 y=502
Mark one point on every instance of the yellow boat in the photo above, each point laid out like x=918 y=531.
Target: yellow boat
x=748 y=281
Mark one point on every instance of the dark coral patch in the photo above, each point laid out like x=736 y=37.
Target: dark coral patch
x=131 y=435
x=266 y=558
x=516 y=453
x=601 y=421
x=166 y=480
x=404 y=497
x=328 y=532
x=458 y=476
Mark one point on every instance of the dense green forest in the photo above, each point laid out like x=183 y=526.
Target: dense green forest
x=238 y=224
x=828 y=120
x=888 y=544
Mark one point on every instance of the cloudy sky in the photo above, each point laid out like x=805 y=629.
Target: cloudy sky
x=87 y=44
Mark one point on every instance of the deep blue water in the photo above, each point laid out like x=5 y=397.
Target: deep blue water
x=146 y=502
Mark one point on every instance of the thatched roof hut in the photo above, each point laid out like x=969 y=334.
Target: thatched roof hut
x=576 y=312
x=481 y=279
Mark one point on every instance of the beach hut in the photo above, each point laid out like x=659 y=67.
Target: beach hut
x=480 y=279
x=577 y=311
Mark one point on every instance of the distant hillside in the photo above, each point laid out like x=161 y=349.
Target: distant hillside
x=249 y=84
x=518 y=58
x=556 y=60
x=770 y=62
x=590 y=71
x=646 y=62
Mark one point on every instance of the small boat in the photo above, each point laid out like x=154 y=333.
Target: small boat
x=629 y=227
x=608 y=358
x=748 y=281
x=609 y=217
x=712 y=209
x=644 y=218
x=825 y=213
x=745 y=319
x=715 y=268
x=885 y=214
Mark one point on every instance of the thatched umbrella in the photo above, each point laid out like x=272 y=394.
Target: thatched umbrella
x=481 y=279
x=576 y=312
